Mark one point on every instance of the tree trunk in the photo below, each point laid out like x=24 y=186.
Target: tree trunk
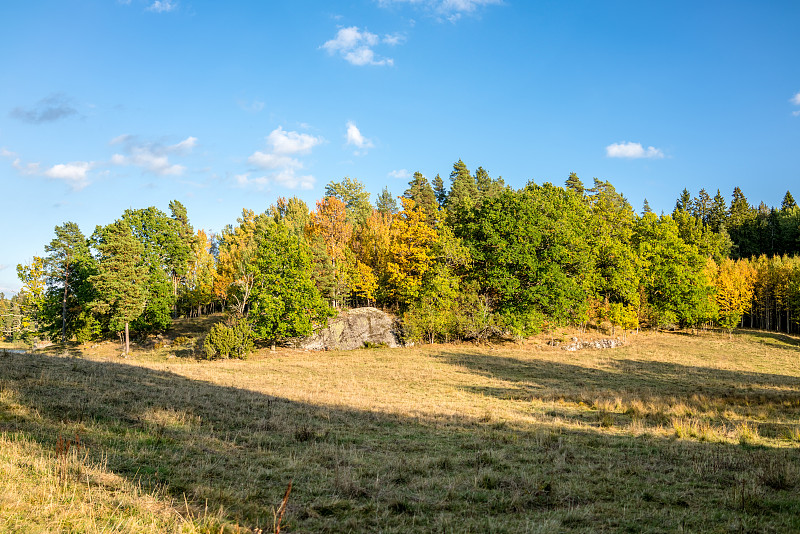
x=64 y=306
x=127 y=340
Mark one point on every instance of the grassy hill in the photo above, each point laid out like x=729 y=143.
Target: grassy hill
x=670 y=433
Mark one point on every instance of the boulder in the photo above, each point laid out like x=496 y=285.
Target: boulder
x=354 y=329
x=596 y=344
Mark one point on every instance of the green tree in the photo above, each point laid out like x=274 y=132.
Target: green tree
x=788 y=202
x=285 y=301
x=530 y=252
x=420 y=191
x=684 y=202
x=386 y=203
x=355 y=198
x=673 y=273
x=122 y=277
x=68 y=265
x=464 y=193
x=439 y=190
x=574 y=183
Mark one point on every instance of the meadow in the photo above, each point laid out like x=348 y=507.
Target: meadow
x=672 y=432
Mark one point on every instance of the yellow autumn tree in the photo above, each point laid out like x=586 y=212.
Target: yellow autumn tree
x=235 y=274
x=410 y=256
x=198 y=288
x=734 y=284
x=330 y=225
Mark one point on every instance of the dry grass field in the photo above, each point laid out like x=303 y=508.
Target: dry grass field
x=670 y=433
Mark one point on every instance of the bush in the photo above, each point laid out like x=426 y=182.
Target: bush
x=224 y=340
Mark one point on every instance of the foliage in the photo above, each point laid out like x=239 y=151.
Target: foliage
x=122 y=277
x=224 y=340
x=285 y=301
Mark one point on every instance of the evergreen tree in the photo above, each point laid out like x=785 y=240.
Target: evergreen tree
x=386 y=203
x=574 y=183
x=701 y=207
x=718 y=217
x=420 y=191
x=439 y=190
x=463 y=189
x=788 y=202
x=646 y=207
x=684 y=202
x=68 y=266
x=122 y=277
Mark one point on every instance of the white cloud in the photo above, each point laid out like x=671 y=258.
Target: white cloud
x=184 y=146
x=281 y=160
x=394 y=39
x=26 y=169
x=152 y=157
x=796 y=113
x=795 y=99
x=451 y=10
x=291 y=142
x=162 y=6
x=401 y=174
x=73 y=173
x=356 y=46
x=632 y=151
x=356 y=139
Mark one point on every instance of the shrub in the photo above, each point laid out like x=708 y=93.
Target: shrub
x=224 y=340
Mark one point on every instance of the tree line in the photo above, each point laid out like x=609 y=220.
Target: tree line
x=468 y=260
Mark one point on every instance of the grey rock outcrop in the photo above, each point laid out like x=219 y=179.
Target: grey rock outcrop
x=597 y=344
x=354 y=329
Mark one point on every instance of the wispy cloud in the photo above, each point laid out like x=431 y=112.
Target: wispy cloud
x=281 y=161
x=400 y=174
x=52 y=108
x=162 y=6
x=254 y=106
x=75 y=173
x=633 y=151
x=152 y=157
x=796 y=101
x=356 y=46
x=357 y=140
x=451 y=10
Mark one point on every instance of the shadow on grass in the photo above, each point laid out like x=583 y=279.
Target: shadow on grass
x=774 y=339
x=654 y=390
x=358 y=471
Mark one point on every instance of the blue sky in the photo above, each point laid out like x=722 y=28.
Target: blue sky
x=109 y=105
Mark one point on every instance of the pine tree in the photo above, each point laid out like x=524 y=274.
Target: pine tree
x=646 y=207
x=386 y=203
x=788 y=202
x=68 y=265
x=574 y=183
x=718 y=217
x=439 y=190
x=463 y=189
x=122 y=277
x=420 y=191
x=684 y=202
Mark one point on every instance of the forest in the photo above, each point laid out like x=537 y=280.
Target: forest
x=470 y=260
